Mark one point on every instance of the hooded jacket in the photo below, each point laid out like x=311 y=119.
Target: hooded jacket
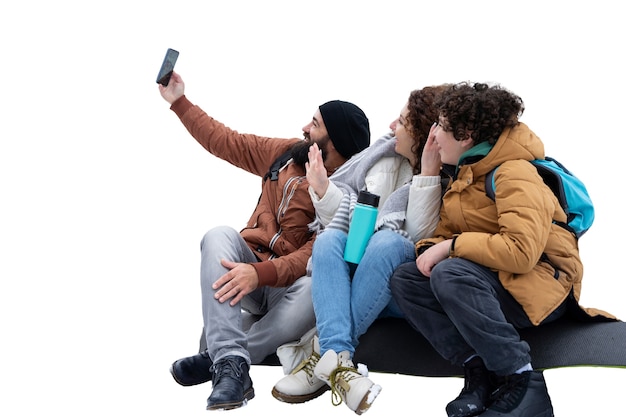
x=277 y=231
x=537 y=261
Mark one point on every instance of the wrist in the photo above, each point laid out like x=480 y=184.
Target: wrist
x=322 y=188
x=451 y=248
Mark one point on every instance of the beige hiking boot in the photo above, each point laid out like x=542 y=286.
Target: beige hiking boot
x=347 y=384
x=301 y=384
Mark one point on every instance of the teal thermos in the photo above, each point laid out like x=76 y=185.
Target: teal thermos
x=361 y=226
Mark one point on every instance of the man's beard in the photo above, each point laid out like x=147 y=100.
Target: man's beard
x=300 y=151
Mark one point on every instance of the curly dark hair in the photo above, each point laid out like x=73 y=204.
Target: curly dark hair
x=422 y=114
x=479 y=110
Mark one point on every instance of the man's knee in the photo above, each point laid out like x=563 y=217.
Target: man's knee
x=218 y=235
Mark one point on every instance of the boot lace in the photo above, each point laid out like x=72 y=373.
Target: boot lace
x=340 y=379
x=227 y=367
x=308 y=365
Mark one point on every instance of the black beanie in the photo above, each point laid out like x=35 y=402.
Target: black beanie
x=347 y=126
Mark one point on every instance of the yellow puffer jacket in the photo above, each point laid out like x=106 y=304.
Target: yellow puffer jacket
x=511 y=234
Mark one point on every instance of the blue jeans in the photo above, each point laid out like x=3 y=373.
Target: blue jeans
x=347 y=301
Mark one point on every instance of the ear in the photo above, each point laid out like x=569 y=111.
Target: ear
x=468 y=142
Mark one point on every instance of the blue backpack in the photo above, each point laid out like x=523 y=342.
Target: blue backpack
x=569 y=190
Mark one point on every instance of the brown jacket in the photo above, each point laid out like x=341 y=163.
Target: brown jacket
x=278 y=229
x=511 y=233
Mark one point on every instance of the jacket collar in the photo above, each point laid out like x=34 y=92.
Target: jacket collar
x=474 y=154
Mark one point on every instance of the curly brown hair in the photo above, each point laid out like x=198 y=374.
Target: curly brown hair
x=422 y=114
x=479 y=110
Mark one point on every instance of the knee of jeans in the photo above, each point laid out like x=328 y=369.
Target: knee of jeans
x=330 y=235
x=385 y=236
x=218 y=235
x=444 y=278
x=393 y=244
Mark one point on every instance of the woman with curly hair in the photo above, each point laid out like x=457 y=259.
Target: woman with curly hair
x=403 y=169
x=491 y=267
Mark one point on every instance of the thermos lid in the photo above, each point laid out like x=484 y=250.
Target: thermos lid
x=368 y=198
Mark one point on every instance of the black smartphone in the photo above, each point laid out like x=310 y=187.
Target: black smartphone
x=167 y=67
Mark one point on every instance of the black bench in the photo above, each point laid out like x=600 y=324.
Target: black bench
x=391 y=346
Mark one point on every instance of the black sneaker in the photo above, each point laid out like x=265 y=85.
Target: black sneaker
x=232 y=386
x=193 y=370
x=475 y=395
x=522 y=395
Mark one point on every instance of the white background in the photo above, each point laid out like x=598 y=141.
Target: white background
x=105 y=196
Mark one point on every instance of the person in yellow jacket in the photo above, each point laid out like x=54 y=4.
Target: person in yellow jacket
x=492 y=266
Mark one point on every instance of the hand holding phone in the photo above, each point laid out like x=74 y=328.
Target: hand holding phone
x=167 y=67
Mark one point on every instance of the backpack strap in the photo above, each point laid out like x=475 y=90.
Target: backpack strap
x=490 y=184
x=550 y=178
x=280 y=162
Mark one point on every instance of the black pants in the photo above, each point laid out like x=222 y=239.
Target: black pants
x=463 y=309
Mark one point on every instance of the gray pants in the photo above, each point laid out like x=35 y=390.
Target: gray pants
x=462 y=310
x=280 y=315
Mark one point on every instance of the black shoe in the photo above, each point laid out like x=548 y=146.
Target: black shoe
x=193 y=370
x=232 y=386
x=475 y=395
x=522 y=395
